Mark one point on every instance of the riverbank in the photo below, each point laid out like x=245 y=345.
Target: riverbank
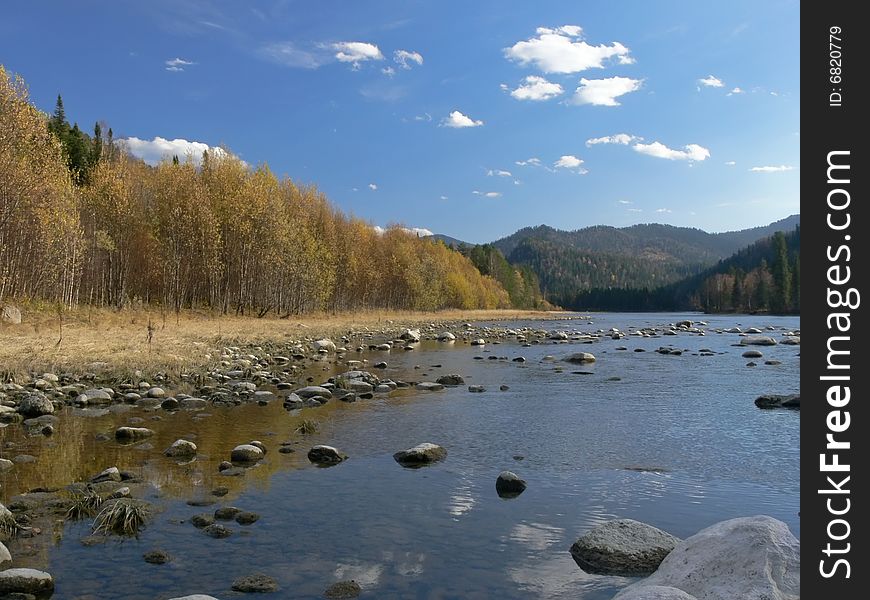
x=120 y=342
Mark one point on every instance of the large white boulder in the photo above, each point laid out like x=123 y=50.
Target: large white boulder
x=751 y=558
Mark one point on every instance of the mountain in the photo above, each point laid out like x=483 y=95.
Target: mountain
x=764 y=276
x=450 y=241
x=647 y=256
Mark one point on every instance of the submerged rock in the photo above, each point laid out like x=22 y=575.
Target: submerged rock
x=792 y=401
x=257 y=583
x=757 y=340
x=157 y=557
x=422 y=454
x=130 y=434
x=653 y=592
x=181 y=449
x=509 y=485
x=749 y=557
x=343 y=590
x=622 y=547
x=581 y=357
x=451 y=379
x=326 y=455
x=246 y=453
x=429 y=386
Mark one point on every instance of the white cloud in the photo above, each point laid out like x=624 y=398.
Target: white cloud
x=517 y=182
x=623 y=139
x=659 y=150
x=417 y=231
x=561 y=50
x=373 y=186
x=444 y=197
x=153 y=151
x=711 y=81
x=356 y=53
x=604 y=92
x=177 y=64
x=500 y=173
x=457 y=120
x=664 y=210
x=734 y=91
x=531 y=162
x=289 y=55
x=626 y=60
x=778 y=169
x=625 y=201
x=388 y=71
x=487 y=194
x=730 y=163
x=635 y=210
x=403 y=57
x=537 y=88
x=568 y=161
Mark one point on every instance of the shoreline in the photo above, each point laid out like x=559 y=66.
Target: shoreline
x=117 y=342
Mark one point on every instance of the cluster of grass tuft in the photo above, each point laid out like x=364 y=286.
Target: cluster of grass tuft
x=308 y=426
x=122 y=517
x=84 y=506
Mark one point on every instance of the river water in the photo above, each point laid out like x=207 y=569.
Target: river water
x=674 y=441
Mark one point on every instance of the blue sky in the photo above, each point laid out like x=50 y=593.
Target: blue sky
x=471 y=119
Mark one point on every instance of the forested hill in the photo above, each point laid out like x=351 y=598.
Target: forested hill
x=686 y=245
x=763 y=277
x=639 y=257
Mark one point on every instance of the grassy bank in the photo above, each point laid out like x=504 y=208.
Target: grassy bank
x=150 y=341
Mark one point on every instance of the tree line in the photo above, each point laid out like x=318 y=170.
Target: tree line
x=84 y=222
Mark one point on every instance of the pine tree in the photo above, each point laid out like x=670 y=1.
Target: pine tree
x=97 y=151
x=781 y=274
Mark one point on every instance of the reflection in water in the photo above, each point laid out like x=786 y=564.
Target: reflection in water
x=666 y=443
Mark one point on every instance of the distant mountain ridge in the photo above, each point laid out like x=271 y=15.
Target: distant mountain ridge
x=646 y=256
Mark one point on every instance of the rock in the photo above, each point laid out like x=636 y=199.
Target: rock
x=779 y=401
x=752 y=354
x=155 y=392
x=343 y=590
x=313 y=390
x=255 y=583
x=227 y=513
x=121 y=492
x=757 y=340
x=422 y=454
x=622 y=547
x=559 y=336
x=753 y=330
x=157 y=557
x=195 y=597
x=218 y=531
x=35 y=405
x=478 y=342
x=794 y=340
x=446 y=336
x=323 y=345
x=519 y=359
x=411 y=335
x=509 y=485
x=129 y=434
x=24 y=459
x=181 y=449
x=191 y=403
x=326 y=455
x=6 y=464
x=259 y=445
x=377 y=365
x=653 y=592
x=581 y=357
x=451 y=379
x=202 y=521
x=5 y=555
x=110 y=474
x=26 y=581
x=246 y=453
x=504 y=388
x=429 y=386
x=94 y=396
x=11 y=315
x=247 y=518
x=752 y=558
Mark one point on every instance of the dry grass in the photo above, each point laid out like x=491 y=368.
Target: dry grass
x=121 y=517
x=190 y=341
